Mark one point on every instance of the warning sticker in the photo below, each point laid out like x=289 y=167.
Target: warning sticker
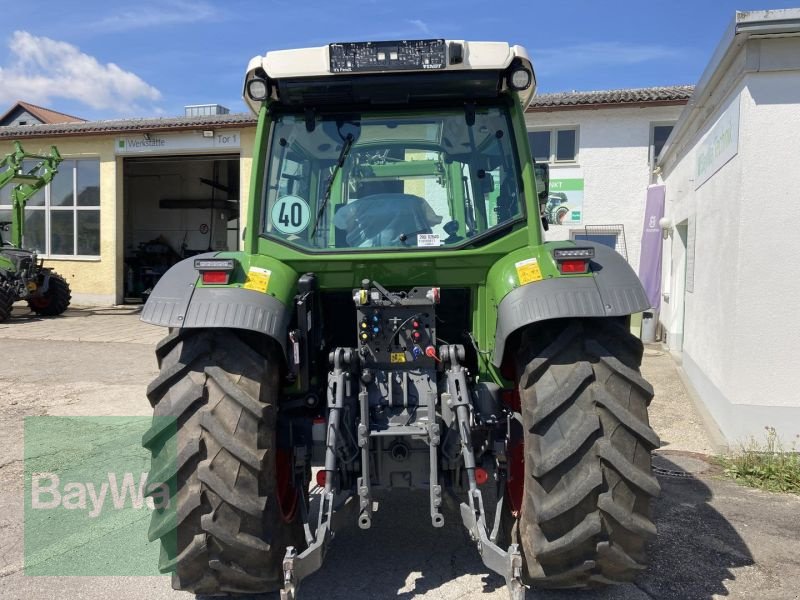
x=397 y=357
x=528 y=271
x=428 y=240
x=257 y=279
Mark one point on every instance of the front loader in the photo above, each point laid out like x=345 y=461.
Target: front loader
x=22 y=273
x=396 y=320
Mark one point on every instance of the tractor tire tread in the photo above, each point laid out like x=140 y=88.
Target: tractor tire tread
x=59 y=294
x=224 y=532
x=585 y=516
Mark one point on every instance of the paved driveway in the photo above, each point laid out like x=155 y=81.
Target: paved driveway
x=716 y=539
x=82 y=324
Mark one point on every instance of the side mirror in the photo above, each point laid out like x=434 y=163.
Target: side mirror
x=541 y=172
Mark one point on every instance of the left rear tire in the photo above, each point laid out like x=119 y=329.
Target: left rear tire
x=214 y=438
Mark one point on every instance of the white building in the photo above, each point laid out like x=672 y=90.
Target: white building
x=601 y=148
x=731 y=274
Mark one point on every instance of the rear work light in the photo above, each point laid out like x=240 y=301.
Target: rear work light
x=257 y=89
x=573 y=260
x=214 y=271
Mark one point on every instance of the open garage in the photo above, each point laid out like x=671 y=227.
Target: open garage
x=176 y=207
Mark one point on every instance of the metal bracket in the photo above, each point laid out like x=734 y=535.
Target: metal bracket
x=437 y=519
x=331 y=511
x=363 y=484
x=507 y=563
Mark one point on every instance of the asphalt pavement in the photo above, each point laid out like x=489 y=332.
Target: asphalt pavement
x=716 y=539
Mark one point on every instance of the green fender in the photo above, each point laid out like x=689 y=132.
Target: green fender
x=524 y=296
x=180 y=300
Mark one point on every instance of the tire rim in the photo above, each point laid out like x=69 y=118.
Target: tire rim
x=287 y=494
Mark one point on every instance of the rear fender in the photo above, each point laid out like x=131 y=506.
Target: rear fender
x=612 y=290
x=179 y=300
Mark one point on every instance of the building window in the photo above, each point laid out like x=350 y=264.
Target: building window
x=659 y=132
x=607 y=239
x=612 y=236
x=63 y=219
x=540 y=145
x=554 y=145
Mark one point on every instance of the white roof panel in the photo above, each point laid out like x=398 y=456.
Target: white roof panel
x=315 y=62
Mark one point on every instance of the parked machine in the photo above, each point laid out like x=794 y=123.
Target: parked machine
x=396 y=319
x=22 y=274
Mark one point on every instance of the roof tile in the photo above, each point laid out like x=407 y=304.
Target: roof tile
x=672 y=93
x=47 y=115
x=126 y=125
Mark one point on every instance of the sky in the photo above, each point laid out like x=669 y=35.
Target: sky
x=103 y=59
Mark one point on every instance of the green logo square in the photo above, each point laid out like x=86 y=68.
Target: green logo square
x=89 y=494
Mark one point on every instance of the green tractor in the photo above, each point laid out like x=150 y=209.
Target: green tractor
x=22 y=274
x=396 y=320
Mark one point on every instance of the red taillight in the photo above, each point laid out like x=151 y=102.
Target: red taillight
x=321 y=477
x=481 y=476
x=215 y=277
x=573 y=266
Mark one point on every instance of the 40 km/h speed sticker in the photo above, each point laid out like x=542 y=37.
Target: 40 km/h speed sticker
x=290 y=214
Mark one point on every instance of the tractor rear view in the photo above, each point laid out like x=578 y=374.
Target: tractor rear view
x=396 y=320
x=22 y=274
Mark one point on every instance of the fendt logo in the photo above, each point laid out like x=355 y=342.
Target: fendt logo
x=47 y=493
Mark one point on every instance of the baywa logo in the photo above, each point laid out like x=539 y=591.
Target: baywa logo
x=91 y=494
x=49 y=492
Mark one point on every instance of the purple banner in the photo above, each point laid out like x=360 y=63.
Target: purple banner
x=650 y=257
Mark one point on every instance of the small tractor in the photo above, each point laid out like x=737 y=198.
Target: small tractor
x=22 y=274
x=396 y=320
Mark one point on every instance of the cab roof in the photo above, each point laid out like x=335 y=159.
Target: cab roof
x=328 y=67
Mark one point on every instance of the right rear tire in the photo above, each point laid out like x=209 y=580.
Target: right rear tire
x=584 y=518
x=214 y=439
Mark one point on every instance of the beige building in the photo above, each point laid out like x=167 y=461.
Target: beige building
x=133 y=196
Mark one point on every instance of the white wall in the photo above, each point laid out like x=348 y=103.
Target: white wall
x=768 y=273
x=739 y=335
x=613 y=153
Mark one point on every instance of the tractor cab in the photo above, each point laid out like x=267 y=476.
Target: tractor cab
x=391 y=145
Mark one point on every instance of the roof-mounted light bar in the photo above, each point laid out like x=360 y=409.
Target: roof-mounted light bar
x=330 y=74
